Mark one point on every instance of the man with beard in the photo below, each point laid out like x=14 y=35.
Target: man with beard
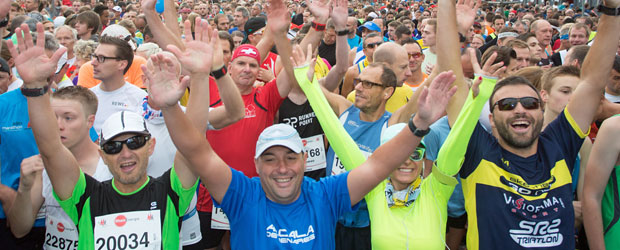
x=518 y=184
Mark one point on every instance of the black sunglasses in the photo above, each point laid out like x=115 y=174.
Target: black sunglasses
x=373 y=45
x=366 y=84
x=511 y=103
x=101 y=59
x=133 y=143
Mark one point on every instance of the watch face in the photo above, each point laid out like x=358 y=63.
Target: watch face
x=4 y=22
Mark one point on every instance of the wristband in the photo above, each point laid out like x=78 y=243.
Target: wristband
x=318 y=26
x=609 y=11
x=342 y=32
x=34 y=92
x=219 y=73
x=417 y=132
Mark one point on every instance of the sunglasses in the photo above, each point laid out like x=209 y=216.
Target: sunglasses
x=510 y=103
x=133 y=143
x=418 y=154
x=415 y=55
x=373 y=45
x=366 y=84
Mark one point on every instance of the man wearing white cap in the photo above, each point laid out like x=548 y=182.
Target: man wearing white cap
x=131 y=209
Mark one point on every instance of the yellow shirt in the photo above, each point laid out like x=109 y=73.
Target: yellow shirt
x=399 y=98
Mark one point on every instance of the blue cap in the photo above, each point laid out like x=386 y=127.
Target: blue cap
x=371 y=26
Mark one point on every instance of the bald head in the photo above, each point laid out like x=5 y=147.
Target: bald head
x=396 y=58
x=543 y=31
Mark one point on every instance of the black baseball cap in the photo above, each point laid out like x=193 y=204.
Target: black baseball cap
x=254 y=24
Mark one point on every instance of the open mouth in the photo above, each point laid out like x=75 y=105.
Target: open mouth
x=128 y=166
x=520 y=126
x=405 y=170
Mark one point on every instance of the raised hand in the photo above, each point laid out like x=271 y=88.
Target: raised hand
x=489 y=69
x=162 y=82
x=31 y=57
x=340 y=12
x=148 y=5
x=466 y=14
x=199 y=51
x=278 y=18
x=30 y=167
x=433 y=101
x=319 y=9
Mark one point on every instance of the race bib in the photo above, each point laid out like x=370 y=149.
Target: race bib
x=219 y=219
x=128 y=230
x=338 y=168
x=60 y=234
x=315 y=147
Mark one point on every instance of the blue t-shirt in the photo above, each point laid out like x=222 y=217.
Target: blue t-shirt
x=433 y=142
x=16 y=138
x=354 y=42
x=515 y=202
x=308 y=223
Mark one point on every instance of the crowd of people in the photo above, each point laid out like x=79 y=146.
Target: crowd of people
x=272 y=124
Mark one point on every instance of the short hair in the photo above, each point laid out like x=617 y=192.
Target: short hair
x=497 y=17
x=218 y=16
x=534 y=24
x=580 y=52
x=83 y=95
x=123 y=49
x=224 y=35
x=510 y=81
x=149 y=49
x=616 y=65
x=402 y=30
x=580 y=26
x=371 y=35
x=100 y=8
x=84 y=48
x=524 y=37
x=516 y=43
x=550 y=74
x=244 y=11
x=128 y=24
x=388 y=77
x=51 y=44
x=532 y=74
x=237 y=33
x=91 y=19
x=147 y=31
x=4 y=52
x=73 y=31
x=489 y=17
x=394 y=24
x=17 y=21
x=506 y=29
x=504 y=54
x=433 y=22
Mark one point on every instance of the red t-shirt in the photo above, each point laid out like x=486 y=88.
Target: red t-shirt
x=270 y=63
x=236 y=144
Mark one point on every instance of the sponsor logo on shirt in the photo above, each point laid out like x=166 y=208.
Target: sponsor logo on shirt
x=301 y=120
x=60 y=227
x=250 y=111
x=120 y=220
x=537 y=233
x=119 y=104
x=525 y=189
x=521 y=204
x=292 y=237
x=15 y=126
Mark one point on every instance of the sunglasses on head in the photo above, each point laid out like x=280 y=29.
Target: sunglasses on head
x=373 y=45
x=418 y=154
x=511 y=103
x=133 y=143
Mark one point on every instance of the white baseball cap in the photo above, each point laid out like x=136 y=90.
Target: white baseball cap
x=279 y=135
x=121 y=32
x=117 y=9
x=122 y=122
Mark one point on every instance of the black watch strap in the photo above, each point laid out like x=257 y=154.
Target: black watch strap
x=219 y=73
x=417 y=132
x=609 y=11
x=342 y=32
x=35 y=91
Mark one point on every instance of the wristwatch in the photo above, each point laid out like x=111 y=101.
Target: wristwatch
x=417 y=132
x=609 y=11
x=219 y=73
x=34 y=92
x=318 y=26
x=342 y=32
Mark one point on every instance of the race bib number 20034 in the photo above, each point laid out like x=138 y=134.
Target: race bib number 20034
x=128 y=230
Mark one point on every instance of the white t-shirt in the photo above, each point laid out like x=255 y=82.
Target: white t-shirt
x=126 y=98
x=58 y=226
x=612 y=98
x=15 y=85
x=429 y=58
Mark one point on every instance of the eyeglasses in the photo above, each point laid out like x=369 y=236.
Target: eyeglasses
x=133 y=143
x=418 y=154
x=510 y=103
x=415 y=55
x=101 y=59
x=366 y=84
x=373 y=45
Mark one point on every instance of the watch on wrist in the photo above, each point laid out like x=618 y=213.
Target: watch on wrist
x=417 y=132
x=342 y=32
x=219 y=73
x=609 y=11
x=318 y=26
x=4 y=22
x=34 y=92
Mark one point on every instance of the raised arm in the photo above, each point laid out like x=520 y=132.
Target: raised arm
x=29 y=199
x=162 y=34
x=320 y=11
x=389 y=156
x=278 y=24
x=603 y=159
x=171 y=18
x=595 y=70
x=61 y=166
x=188 y=135
x=335 y=75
